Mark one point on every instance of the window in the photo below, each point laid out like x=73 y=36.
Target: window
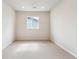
x=32 y=22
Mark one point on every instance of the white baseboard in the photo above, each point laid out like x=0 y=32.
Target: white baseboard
x=65 y=49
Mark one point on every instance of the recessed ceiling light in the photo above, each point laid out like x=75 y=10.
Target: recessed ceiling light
x=22 y=6
x=42 y=7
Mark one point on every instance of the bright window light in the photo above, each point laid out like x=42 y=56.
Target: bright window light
x=32 y=22
x=28 y=47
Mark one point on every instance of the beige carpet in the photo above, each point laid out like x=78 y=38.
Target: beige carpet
x=35 y=50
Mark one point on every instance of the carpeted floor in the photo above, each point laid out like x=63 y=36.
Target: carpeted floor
x=35 y=50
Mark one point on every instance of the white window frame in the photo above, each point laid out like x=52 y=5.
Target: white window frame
x=31 y=25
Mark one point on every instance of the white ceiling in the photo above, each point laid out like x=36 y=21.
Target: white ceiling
x=32 y=5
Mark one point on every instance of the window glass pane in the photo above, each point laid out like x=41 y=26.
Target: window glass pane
x=32 y=22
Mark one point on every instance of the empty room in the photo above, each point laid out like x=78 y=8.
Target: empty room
x=39 y=29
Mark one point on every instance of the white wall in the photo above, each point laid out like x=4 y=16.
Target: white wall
x=8 y=20
x=22 y=33
x=64 y=25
